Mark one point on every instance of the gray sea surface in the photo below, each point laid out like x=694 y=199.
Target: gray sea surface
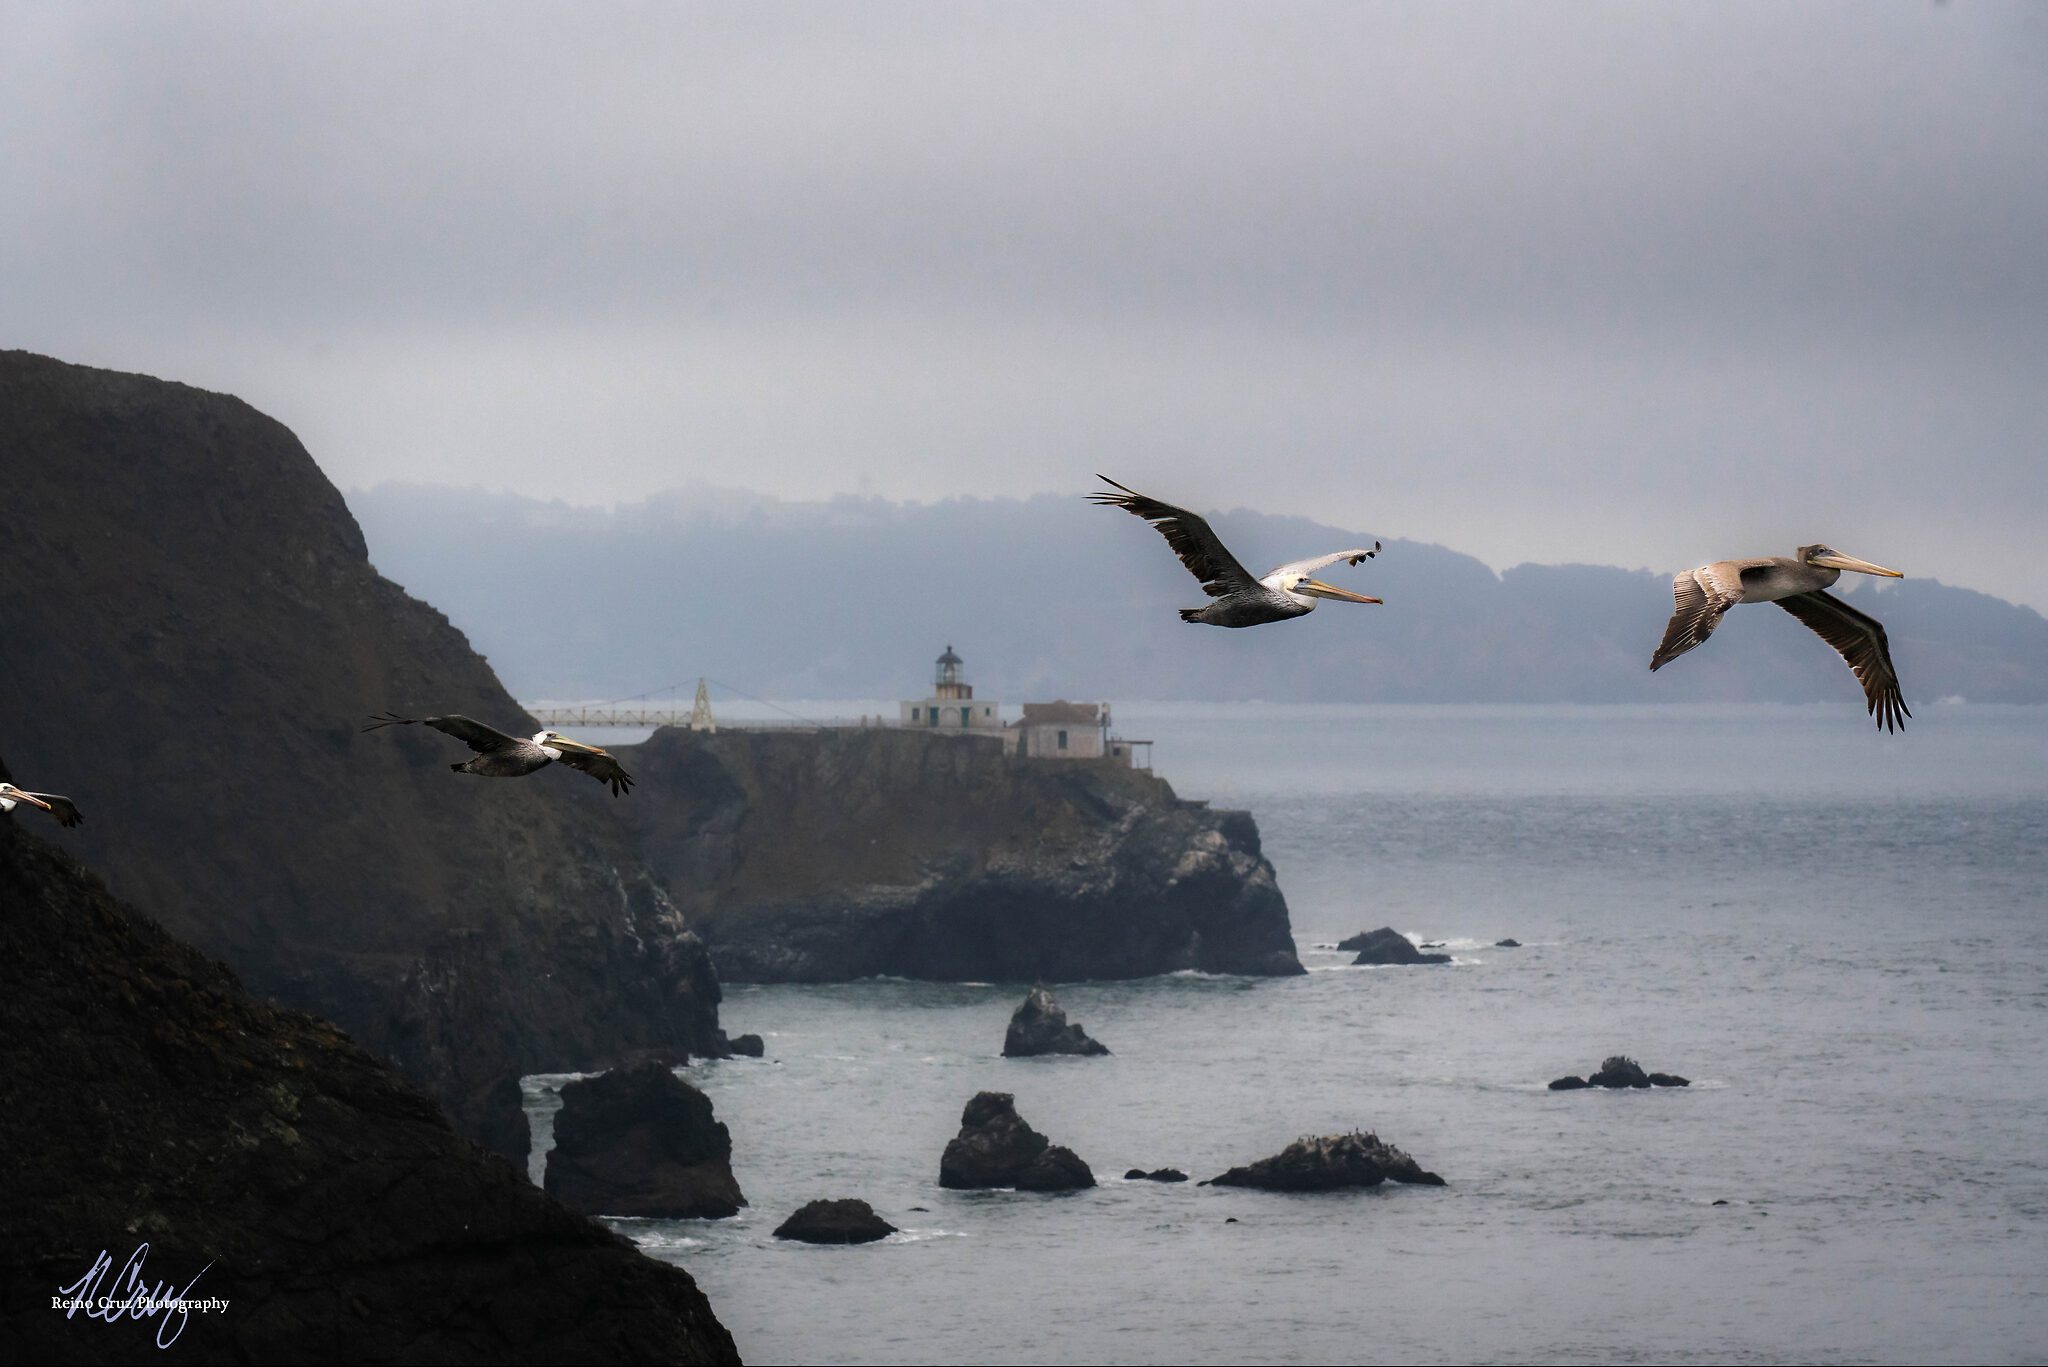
x=1839 y=936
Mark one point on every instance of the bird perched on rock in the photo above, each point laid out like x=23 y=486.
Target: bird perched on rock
x=501 y=756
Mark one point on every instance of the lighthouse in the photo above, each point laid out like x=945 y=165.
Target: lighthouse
x=952 y=705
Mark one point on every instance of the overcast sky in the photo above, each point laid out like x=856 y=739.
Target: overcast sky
x=1633 y=284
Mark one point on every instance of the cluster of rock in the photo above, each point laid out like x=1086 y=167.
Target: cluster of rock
x=641 y=1141
x=1618 y=1071
x=1388 y=946
x=1156 y=1175
x=1328 y=1162
x=996 y=1148
x=1040 y=1026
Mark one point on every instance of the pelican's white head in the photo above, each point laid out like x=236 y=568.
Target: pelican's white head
x=1305 y=590
x=1828 y=558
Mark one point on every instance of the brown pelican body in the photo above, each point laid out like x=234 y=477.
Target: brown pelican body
x=63 y=808
x=501 y=756
x=1703 y=596
x=1240 y=600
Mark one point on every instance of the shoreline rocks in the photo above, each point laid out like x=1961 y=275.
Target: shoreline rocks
x=264 y=1158
x=1618 y=1072
x=1388 y=946
x=1156 y=1175
x=835 y=1222
x=996 y=1148
x=1040 y=1026
x=641 y=1141
x=1328 y=1163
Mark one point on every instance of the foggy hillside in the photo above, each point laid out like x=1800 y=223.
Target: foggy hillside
x=1053 y=596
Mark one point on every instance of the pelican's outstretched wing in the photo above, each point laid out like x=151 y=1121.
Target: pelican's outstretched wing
x=1206 y=557
x=1702 y=598
x=593 y=761
x=1858 y=638
x=1354 y=556
x=478 y=737
x=63 y=808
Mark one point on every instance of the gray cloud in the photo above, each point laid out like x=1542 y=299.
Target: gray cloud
x=1642 y=285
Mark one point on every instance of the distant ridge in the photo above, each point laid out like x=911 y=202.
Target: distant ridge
x=1049 y=597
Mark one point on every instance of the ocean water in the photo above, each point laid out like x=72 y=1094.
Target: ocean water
x=1840 y=937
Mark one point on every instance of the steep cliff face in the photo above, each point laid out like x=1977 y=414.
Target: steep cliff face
x=822 y=856
x=191 y=634
x=151 y=1109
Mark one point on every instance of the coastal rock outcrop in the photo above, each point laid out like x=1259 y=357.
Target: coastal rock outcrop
x=1040 y=1026
x=211 y=625
x=939 y=857
x=1328 y=1162
x=1156 y=1175
x=835 y=1222
x=153 y=1110
x=641 y=1141
x=1619 y=1071
x=1388 y=946
x=996 y=1148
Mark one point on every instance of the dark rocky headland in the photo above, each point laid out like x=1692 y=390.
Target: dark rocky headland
x=192 y=661
x=934 y=856
x=145 y=1098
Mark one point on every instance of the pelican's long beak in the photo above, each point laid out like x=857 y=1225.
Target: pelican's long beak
x=30 y=798
x=564 y=743
x=1838 y=561
x=1321 y=590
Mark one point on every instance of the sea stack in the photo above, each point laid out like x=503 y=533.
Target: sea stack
x=996 y=1148
x=641 y=1141
x=1040 y=1026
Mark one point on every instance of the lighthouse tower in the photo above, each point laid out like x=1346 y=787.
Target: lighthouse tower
x=952 y=705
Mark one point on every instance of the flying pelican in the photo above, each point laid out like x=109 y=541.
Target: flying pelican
x=1241 y=601
x=501 y=756
x=1703 y=596
x=63 y=808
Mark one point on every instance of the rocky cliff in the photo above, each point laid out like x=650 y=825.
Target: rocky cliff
x=163 y=1129
x=191 y=633
x=823 y=856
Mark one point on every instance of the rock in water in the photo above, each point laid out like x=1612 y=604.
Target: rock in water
x=835 y=1222
x=995 y=1148
x=1156 y=1175
x=1669 y=1080
x=1327 y=1162
x=1619 y=1070
x=747 y=1046
x=147 y=1099
x=1040 y=1026
x=641 y=1141
x=1568 y=1084
x=1388 y=946
x=1510 y=943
